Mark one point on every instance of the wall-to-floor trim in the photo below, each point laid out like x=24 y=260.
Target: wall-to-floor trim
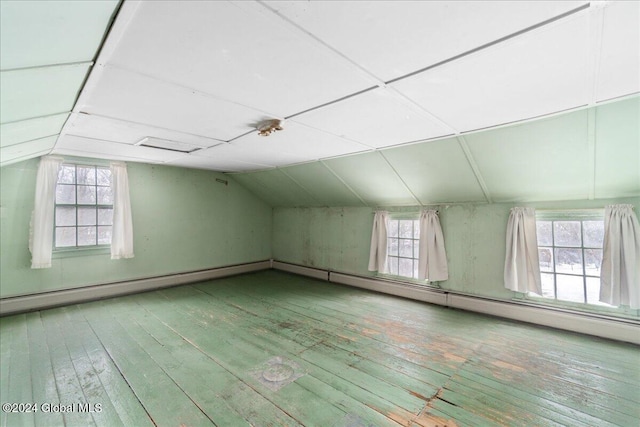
x=301 y=270
x=416 y=292
x=20 y=304
x=619 y=329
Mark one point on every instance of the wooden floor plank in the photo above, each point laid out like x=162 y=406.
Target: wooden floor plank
x=43 y=381
x=367 y=359
x=222 y=395
x=19 y=389
x=316 y=382
x=122 y=399
x=169 y=407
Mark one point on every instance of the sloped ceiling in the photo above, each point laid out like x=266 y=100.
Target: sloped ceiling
x=46 y=51
x=386 y=102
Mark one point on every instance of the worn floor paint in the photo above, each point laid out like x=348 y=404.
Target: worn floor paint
x=192 y=355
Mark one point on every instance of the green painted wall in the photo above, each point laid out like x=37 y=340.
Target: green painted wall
x=183 y=221
x=338 y=239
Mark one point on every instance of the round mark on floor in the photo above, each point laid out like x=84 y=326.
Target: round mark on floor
x=277 y=372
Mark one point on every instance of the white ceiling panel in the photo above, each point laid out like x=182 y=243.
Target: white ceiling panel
x=617 y=171
x=81 y=146
x=373 y=179
x=263 y=157
x=26 y=150
x=394 y=38
x=36 y=92
x=541 y=160
x=128 y=132
x=300 y=141
x=34 y=33
x=238 y=51
x=538 y=73
x=377 y=118
x=135 y=98
x=28 y=130
x=436 y=171
x=619 y=72
x=221 y=164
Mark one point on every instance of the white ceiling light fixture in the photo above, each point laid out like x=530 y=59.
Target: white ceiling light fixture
x=165 y=144
x=265 y=128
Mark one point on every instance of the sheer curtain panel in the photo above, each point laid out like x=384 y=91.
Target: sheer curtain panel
x=122 y=234
x=521 y=266
x=620 y=270
x=432 y=257
x=41 y=232
x=378 y=252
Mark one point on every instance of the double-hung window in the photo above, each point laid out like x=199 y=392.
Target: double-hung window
x=403 y=238
x=570 y=254
x=83 y=207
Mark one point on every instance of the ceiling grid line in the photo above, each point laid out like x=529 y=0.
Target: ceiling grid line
x=596 y=28
x=492 y=43
x=474 y=167
x=327 y=47
x=355 y=193
x=415 y=198
x=295 y=181
x=47 y=66
x=591 y=151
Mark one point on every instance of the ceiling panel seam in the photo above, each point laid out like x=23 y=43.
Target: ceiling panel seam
x=38 y=67
x=591 y=151
x=492 y=43
x=36 y=117
x=596 y=29
x=219 y=141
x=299 y=185
x=278 y=195
x=26 y=157
x=474 y=167
x=355 y=193
x=31 y=140
x=415 y=198
x=324 y=45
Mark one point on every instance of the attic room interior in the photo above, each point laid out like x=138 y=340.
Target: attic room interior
x=319 y=213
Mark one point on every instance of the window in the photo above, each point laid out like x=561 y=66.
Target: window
x=402 y=249
x=83 y=206
x=570 y=254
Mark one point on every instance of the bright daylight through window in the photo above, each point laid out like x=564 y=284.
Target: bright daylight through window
x=84 y=206
x=402 y=249
x=570 y=254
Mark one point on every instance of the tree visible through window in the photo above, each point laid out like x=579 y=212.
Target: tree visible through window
x=570 y=254
x=402 y=250
x=83 y=206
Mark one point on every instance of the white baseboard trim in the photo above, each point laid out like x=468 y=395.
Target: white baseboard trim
x=415 y=292
x=565 y=319
x=570 y=321
x=303 y=271
x=20 y=304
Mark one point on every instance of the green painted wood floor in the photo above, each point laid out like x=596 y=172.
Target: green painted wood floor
x=199 y=355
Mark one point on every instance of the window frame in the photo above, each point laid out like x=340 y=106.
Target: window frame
x=98 y=248
x=580 y=216
x=415 y=218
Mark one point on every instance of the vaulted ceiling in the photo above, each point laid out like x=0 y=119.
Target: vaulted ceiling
x=383 y=102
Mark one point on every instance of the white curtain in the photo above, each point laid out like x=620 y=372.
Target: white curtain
x=378 y=252
x=521 y=266
x=620 y=270
x=122 y=233
x=41 y=230
x=432 y=257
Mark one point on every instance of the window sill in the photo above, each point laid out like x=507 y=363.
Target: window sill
x=79 y=252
